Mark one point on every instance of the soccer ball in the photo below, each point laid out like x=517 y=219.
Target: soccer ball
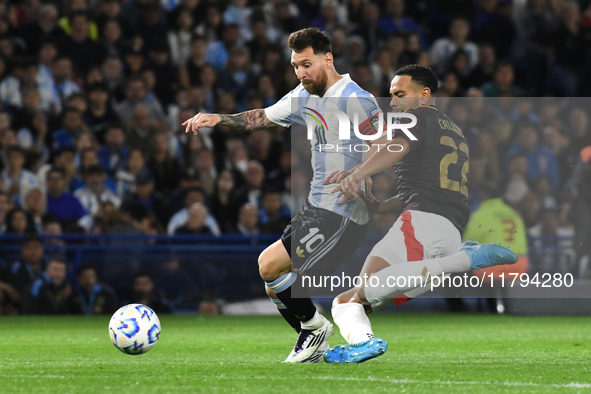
x=134 y=329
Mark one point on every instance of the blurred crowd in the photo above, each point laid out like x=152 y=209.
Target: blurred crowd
x=94 y=94
x=38 y=285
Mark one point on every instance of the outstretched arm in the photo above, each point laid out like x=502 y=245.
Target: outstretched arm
x=247 y=121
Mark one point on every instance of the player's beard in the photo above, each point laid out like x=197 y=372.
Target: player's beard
x=317 y=87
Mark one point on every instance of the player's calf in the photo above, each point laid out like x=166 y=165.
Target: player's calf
x=275 y=269
x=288 y=315
x=273 y=264
x=350 y=314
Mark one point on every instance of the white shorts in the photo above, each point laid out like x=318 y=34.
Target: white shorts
x=418 y=236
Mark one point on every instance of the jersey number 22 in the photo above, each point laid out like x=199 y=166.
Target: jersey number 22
x=452 y=159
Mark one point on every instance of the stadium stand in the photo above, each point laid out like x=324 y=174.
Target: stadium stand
x=98 y=90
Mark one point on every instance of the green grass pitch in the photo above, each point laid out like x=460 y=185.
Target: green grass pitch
x=427 y=353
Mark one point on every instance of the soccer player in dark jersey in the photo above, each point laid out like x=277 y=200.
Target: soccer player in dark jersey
x=431 y=172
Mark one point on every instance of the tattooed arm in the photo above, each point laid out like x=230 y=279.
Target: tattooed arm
x=247 y=121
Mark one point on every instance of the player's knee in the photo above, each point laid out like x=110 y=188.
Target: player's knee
x=267 y=267
x=274 y=262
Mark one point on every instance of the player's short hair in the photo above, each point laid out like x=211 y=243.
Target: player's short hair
x=310 y=37
x=422 y=75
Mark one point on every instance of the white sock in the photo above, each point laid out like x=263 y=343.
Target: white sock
x=456 y=263
x=403 y=277
x=315 y=322
x=353 y=322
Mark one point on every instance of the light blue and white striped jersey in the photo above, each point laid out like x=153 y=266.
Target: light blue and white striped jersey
x=346 y=96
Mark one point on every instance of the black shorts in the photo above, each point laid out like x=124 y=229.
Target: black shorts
x=319 y=241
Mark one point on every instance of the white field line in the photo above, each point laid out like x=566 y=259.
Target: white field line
x=417 y=381
x=369 y=379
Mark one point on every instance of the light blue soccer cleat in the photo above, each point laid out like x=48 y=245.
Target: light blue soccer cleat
x=487 y=255
x=357 y=353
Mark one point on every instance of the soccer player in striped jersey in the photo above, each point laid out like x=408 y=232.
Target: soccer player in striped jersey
x=324 y=232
